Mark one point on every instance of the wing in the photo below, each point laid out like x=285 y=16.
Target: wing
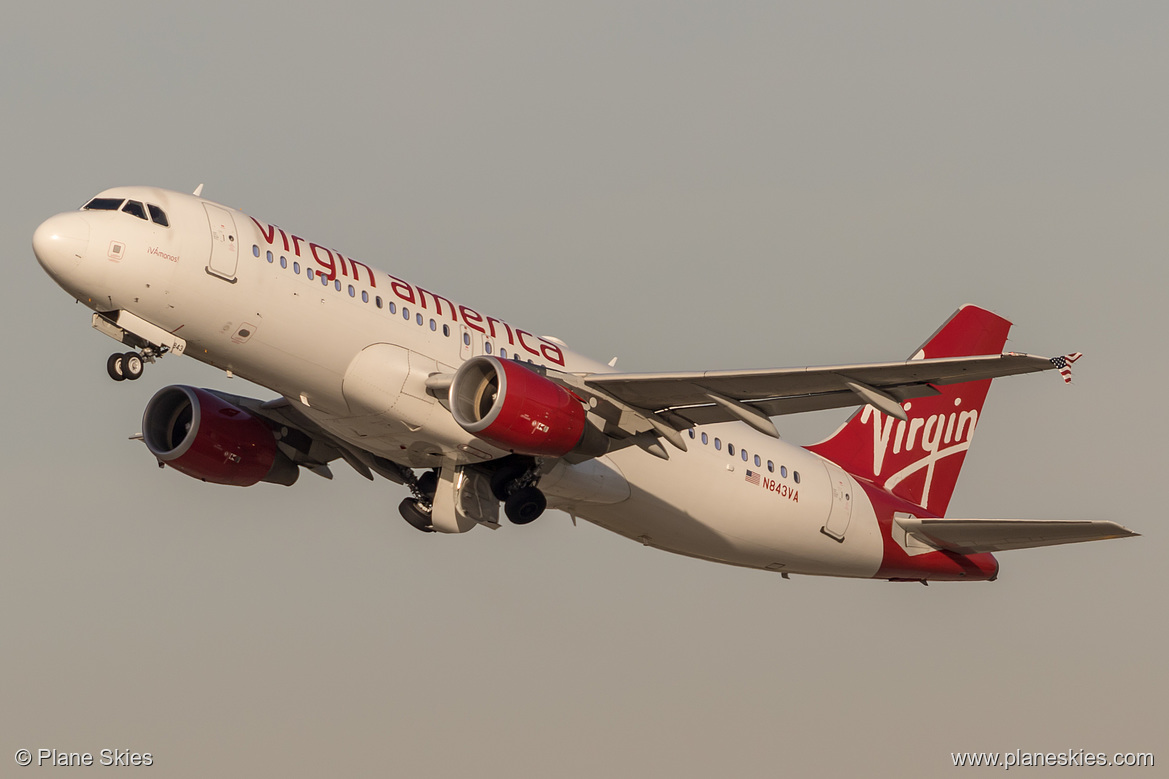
x=967 y=536
x=753 y=396
x=309 y=445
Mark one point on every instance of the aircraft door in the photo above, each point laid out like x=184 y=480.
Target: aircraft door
x=841 y=512
x=224 y=243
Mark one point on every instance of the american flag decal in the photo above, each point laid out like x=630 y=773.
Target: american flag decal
x=753 y=477
x=1064 y=364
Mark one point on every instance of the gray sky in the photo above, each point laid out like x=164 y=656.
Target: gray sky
x=685 y=185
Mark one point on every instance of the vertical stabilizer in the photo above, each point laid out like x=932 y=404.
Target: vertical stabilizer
x=919 y=459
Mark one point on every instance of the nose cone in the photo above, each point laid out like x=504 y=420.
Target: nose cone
x=60 y=242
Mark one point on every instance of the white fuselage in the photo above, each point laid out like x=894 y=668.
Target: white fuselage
x=331 y=334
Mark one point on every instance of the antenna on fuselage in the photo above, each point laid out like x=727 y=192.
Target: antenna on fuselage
x=198 y=191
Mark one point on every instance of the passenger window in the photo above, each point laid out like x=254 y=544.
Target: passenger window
x=158 y=215
x=269 y=257
x=337 y=284
x=783 y=471
x=487 y=347
x=770 y=466
x=503 y=353
x=309 y=272
x=690 y=431
x=296 y=268
x=324 y=279
x=364 y=296
x=377 y=301
x=446 y=330
x=103 y=204
x=134 y=208
x=255 y=250
x=466 y=339
x=744 y=453
x=352 y=291
x=433 y=325
x=731 y=449
x=418 y=319
x=393 y=307
x=283 y=261
x=796 y=476
x=758 y=462
x=705 y=439
x=718 y=444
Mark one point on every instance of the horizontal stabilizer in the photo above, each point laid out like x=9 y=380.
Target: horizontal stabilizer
x=967 y=536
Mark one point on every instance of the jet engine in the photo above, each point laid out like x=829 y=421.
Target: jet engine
x=201 y=435
x=510 y=405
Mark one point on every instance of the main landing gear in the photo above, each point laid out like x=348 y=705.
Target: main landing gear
x=412 y=511
x=525 y=505
x=416 y=510
x=513 y=483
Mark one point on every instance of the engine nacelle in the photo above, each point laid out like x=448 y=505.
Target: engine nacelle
x=515 y=408
x=201 y=435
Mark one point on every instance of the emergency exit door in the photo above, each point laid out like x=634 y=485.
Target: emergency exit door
x=841 y=512
x=224 y=243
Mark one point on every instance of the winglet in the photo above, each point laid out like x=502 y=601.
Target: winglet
x=198 y=191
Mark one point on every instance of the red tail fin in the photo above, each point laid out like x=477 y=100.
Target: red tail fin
x=920 y=460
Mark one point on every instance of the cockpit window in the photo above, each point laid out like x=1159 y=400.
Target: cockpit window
x=158 y=215
x=103 y=204
x=134 y=208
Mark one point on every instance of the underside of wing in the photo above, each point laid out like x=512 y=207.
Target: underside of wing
x=967 y=536
x=308 y=445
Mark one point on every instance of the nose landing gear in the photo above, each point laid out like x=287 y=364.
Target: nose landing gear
x=125 y=366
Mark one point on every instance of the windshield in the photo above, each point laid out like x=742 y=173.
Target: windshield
x=103 y=204
x=132 y=207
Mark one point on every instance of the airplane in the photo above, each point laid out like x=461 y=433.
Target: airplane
x=471 y=412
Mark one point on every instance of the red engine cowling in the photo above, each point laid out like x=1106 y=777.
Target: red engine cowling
x=203 y=436
x=513 y=407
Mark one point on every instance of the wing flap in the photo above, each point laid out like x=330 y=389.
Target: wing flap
x=967 y=536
